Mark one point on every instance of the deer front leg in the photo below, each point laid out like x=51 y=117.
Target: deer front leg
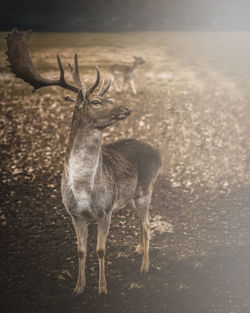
x=81 y=229
x=103 y=229
x=140 y=247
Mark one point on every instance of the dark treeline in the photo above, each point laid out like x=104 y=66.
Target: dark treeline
x=126 y=15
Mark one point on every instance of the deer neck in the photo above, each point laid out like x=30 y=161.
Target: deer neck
x=135 y=67
x=83 y=156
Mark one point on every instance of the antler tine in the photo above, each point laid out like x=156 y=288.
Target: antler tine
x=22 y=66
x=101 y=88
x=61 y=69
x=106 y=88
x=62 y=81
x=91 y=89
x=102 y=85
x=75 y=72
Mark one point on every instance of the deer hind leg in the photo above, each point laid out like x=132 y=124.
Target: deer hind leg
x=139 y=248
x=103 y=229
x=132 y=83
x=142 y=205
x=81 y=229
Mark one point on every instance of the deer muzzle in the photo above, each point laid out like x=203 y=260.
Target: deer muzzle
x=123 y=112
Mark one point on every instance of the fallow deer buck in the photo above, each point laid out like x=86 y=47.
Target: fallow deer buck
x=128 y=73
x=97 y=179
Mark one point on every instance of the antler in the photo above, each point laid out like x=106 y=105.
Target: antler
x=21 y=64
x=103 y=89
x=76 y=76
x=91 y=89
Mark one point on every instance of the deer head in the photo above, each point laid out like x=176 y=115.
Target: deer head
x=100 y=112
x=138 y=60
x=92 y=107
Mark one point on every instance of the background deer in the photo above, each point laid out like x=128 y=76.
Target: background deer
x=128 y=73
x=97 y=179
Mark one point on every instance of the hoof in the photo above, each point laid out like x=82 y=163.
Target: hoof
x=78 y=290
x=144 y=268
x=102 y=289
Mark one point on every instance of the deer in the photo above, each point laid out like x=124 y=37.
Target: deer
x=128 y=73
x=97 y=179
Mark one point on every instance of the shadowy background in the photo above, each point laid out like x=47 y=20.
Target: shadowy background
x=129 y=15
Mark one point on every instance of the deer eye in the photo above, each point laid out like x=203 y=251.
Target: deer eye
x=96 y=103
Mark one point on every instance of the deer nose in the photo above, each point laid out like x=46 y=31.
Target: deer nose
x=124 y=110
